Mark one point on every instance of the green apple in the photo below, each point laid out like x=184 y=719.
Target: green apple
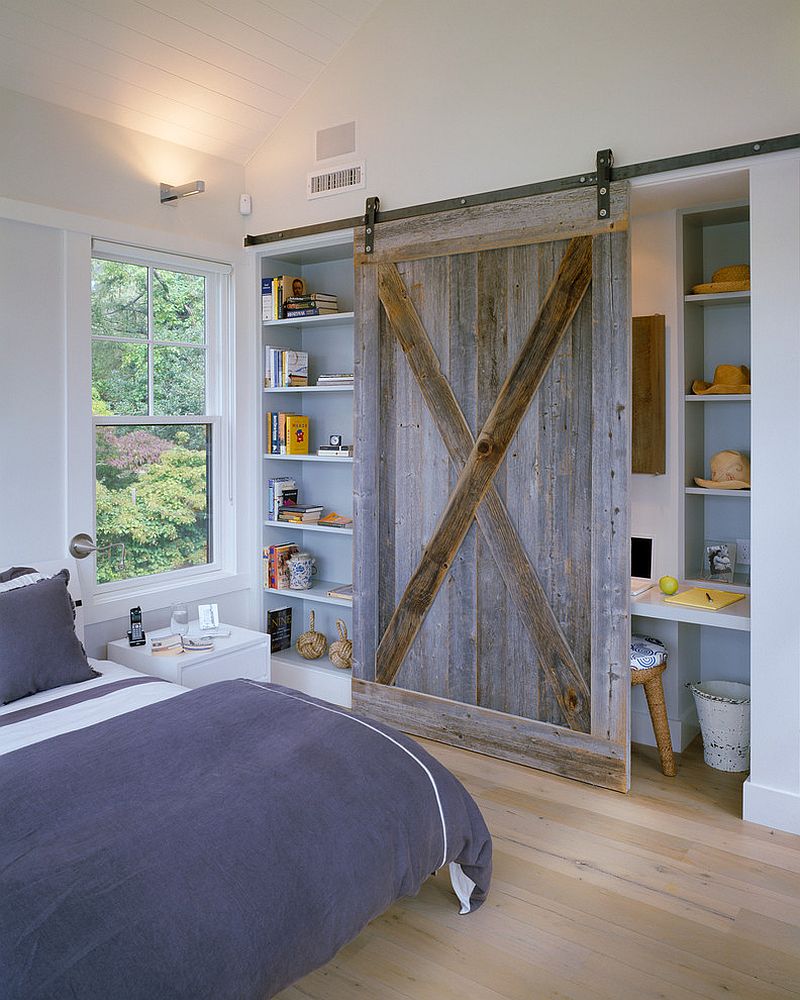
x=668 y=585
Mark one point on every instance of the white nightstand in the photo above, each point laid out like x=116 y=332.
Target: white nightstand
x=242 y=654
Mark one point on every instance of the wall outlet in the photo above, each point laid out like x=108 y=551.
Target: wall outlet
x=743 y=551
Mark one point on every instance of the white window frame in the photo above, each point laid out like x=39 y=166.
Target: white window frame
x=106 y=600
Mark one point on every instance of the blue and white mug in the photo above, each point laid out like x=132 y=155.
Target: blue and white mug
x=301 y=569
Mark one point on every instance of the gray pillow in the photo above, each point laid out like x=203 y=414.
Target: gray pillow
x=39 y=649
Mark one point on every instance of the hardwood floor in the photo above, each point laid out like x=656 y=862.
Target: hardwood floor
x=663 y=893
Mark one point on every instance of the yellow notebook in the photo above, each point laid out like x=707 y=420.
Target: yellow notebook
x=710 y=600
x=296 y=434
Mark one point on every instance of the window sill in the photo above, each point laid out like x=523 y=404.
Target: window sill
x=153 y=597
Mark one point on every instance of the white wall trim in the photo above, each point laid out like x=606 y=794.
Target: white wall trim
x=772 y=807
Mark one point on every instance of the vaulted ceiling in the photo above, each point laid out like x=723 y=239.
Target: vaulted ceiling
x=214 y=75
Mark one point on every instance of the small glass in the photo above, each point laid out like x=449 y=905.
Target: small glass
x=179 y=619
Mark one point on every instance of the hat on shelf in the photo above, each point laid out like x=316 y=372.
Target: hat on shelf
x=730 y=470
x=728 y=380
x=735 y=278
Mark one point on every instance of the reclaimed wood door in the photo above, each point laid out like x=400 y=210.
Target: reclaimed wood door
x=492 y=553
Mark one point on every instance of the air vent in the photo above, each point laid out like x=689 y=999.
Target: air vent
x=325 y=182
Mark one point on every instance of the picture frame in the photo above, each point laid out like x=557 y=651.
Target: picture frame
x=718 y=561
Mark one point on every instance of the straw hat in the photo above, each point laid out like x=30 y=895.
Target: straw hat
x=730 y=470
x=735 y=278
x=728 y=380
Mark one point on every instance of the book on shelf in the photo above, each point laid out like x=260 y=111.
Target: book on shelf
x=336 y=379
x=334 y=520
x=279 y=628
x=295 y=513
x=276 y=571
x=281 y=490
x=312 y=298
x=267 y=310
x=343 y=591
x=296 y=434
x=312 y=311
x=284 y=369
x=329 y=451
x=285 y=286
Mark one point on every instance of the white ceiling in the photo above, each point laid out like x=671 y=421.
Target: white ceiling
x=214 y=75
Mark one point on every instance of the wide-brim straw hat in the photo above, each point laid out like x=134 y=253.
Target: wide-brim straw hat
x=728 y=380
x=735 y=278
x=730 y=470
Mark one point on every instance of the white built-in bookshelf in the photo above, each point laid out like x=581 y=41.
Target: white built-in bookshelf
x=325 y=262
x=715 y=330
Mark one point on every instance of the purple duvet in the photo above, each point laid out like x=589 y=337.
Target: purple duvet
x=219 y=845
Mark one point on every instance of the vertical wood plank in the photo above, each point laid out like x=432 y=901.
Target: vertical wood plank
x=493 y=602
x=386 y=432
x=462 y=582
x=648 y=396
x=366 y=469
x=610 y=499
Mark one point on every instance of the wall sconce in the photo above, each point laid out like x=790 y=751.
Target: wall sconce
x=170 y=193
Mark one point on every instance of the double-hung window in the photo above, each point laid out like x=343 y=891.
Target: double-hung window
x=159 y=392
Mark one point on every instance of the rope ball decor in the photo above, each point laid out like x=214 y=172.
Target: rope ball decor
x=311 y=645
x=341 y=651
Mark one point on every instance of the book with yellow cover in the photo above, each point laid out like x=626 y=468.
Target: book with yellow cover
x=296 y=434
x=709 y=600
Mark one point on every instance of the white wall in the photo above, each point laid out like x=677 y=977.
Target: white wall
x=457 y=96
x=65 y=177
x=61 y=159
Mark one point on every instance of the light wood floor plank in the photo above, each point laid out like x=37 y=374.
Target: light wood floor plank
x=664 y=894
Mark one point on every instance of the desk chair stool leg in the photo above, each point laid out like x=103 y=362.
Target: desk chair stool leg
x=654 y=692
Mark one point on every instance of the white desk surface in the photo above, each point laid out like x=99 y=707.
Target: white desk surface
x=651 y=604
x=240 y=638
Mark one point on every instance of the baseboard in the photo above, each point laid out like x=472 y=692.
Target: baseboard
x=771 y=807
x=681 y=731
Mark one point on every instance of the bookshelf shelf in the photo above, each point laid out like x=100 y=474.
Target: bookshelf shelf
x=334 y=319
x=324 y=261
x=311 y=388
x=308 y=527
x=717 y=299
x=704 y=491
x=740 y=397
x=317 y=593
x=309 y=458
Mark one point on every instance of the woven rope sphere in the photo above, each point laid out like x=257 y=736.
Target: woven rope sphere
x=341 y=651
x=311 y=645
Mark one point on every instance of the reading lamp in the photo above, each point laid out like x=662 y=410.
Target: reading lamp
x=171 y=193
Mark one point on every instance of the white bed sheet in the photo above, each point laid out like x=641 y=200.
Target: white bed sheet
x=71 y=717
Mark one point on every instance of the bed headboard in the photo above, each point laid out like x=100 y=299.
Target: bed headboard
x=51 y=567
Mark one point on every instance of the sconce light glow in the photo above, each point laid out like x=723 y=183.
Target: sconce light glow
x=171 y=193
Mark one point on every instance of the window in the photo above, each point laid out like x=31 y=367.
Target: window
x=157 y=400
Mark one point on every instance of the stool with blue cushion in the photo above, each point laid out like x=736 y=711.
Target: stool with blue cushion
x=648 y=663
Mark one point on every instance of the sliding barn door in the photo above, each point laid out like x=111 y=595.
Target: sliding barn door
x=492 y=545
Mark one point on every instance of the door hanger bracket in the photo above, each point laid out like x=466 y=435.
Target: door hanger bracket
x=369 y=223
x=605 y=158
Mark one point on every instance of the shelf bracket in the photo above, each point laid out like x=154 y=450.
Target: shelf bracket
x=369 y=222
x=605 y=158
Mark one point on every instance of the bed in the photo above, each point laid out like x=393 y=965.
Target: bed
x=221 y=842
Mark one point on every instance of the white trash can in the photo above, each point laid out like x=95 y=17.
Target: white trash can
x=723 y=708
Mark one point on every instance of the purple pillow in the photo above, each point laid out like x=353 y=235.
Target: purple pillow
x=39 y=649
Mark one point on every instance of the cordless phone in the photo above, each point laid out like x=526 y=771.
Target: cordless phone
x=136 y=636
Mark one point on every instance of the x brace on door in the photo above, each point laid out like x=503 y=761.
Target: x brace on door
x=477 y=461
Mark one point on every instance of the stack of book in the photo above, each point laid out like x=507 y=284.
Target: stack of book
x=279 y=628
x=300 y=513
x=334 y=520
x=311 y=304
x=335 y=451
x=285 y=369
x=287 y=433
x=274 y=291
x=279 y=492
x=166 y=645
x=276 y=570
x=335 y=378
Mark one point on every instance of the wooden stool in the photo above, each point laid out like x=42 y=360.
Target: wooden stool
x=648 y=663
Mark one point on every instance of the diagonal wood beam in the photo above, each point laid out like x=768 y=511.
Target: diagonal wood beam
x=563 y=298
x=558 y=663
